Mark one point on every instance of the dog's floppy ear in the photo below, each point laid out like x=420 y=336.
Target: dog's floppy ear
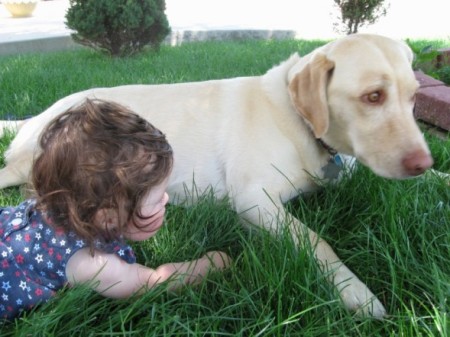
x=308 y=90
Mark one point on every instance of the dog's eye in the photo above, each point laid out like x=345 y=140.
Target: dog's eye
x=375 y=97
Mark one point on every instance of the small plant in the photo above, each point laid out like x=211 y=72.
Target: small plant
x=423 y=55
x=444 y=74
x=425 y=59
x=118 y=27
x=357 y=13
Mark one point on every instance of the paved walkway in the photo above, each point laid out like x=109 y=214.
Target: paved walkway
x=189 y=20
x=200 y=19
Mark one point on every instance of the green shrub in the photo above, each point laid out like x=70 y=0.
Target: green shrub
x=118 y=27
x=444 y=74
x=426 y=59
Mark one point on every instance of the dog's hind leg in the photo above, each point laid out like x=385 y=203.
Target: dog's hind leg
x=18 y=162
x=17 y=166
x=10 y=126
x=17 y=169
x=12 y=176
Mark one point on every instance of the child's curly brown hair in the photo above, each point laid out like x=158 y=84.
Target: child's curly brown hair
x=98 y=155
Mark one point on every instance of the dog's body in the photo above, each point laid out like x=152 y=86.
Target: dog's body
x=254 y=139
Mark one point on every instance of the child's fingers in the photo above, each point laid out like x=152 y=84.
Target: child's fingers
x=219 y=260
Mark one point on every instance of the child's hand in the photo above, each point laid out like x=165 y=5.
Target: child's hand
x=117 y=279
x=219 y=260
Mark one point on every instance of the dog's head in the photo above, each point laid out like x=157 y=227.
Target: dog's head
x=357 y=94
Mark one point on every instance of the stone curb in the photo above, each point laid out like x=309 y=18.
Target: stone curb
x=185 y=36
x=175 y=38
x=38 y=45
x=432 y=102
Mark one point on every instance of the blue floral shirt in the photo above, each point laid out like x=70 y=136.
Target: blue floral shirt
x=33 y=257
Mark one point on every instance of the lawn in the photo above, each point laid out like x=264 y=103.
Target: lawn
x=395 y=235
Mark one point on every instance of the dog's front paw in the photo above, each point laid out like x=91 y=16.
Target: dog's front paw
x=358 y=298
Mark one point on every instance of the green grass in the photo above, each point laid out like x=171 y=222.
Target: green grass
x=395 y=235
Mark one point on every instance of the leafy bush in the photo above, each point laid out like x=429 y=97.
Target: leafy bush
x=423 y=56
x=357 y=13
x=426 y=59
x=118 y=27
x=444 y=74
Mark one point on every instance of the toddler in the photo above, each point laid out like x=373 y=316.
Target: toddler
x=100 y=179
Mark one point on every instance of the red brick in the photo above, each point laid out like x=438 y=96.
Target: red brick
x=427 y=81
x=433 y=106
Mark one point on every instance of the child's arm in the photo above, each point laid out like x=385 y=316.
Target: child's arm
x=113 y=277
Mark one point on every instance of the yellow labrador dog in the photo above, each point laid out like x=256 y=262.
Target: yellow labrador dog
x=260 y=140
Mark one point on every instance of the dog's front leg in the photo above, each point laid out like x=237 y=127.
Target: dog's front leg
x=355 y=295
x=353 y=292
x=442 y=175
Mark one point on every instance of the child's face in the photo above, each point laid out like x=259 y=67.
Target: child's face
x=152 y=215
x=152 y=211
